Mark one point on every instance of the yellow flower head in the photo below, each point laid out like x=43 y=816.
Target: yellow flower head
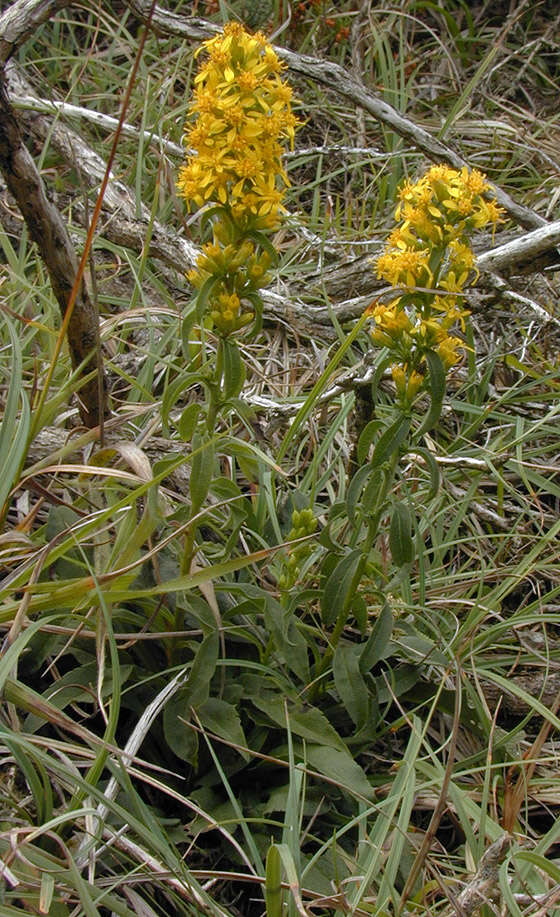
x=474 y=181
x=391 y=324
x=407 y=382
x=450 y=310
x=405 y=267
x=448 y=351
x=428 y=252
x=226 y=312
x=239 y=118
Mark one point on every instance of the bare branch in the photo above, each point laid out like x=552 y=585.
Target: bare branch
x=105 y=122
x=21 y=20
x=514 y=256
x=485 y=883
x=48 y=231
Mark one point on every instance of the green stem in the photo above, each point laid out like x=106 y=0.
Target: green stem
x=214 y=402
x=214 y=405
x=372 y=533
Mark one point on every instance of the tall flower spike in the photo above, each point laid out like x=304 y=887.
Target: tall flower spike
x=239 y=118
x=428 y=255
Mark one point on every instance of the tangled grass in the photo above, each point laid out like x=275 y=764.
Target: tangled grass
x=225 y=690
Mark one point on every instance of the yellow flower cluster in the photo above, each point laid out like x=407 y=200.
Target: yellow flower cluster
x=239 y=117
x=409 y=338
x=445 y=204
x=235 y=271
x=240 y=113
x=428 y=255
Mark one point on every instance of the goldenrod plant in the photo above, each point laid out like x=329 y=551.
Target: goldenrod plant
x=239 y=118
x=238 y=121
x=280 y=638
x=429 y=258
x=428 y=263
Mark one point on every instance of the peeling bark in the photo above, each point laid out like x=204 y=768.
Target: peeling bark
x=48 y=231
x=21 y=20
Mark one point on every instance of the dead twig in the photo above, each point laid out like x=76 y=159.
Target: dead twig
x=520 y=253
x=47 y=230
x=485 y=883
x=21 y=20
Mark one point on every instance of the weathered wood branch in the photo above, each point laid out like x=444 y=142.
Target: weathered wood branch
x=523 y=252
x=48 y=231
x=540 y=683
x=21 y=20
x=485 y=884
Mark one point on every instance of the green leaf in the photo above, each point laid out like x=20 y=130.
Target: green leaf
x=202 y=670
x=547 y=866
x=14 y=429
x=243 y=451
x=221 y=718
x=10 y=654
x=360 y=612
x=36 y=778
x=396 y=682
x=366 y=438
x=233 y=368
x=261 y=240
x=283 y=626
x=202 y=471
x=203 y=295
x=186 y=330
x=285 y=856
x=391 y=440
x=340 y=587
x=340 y=766
x=378 y=641
x=400 y=538
x=46 y=894
x=188 y=421
x=307 y=722
x=273 y=883
x=258 y=306
x=175 y=389
x=421 y=650
x=182 y=740
x=374 y=491
x=433 y=468
x=437 y=391
x=355 y=489
x=350 y=683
